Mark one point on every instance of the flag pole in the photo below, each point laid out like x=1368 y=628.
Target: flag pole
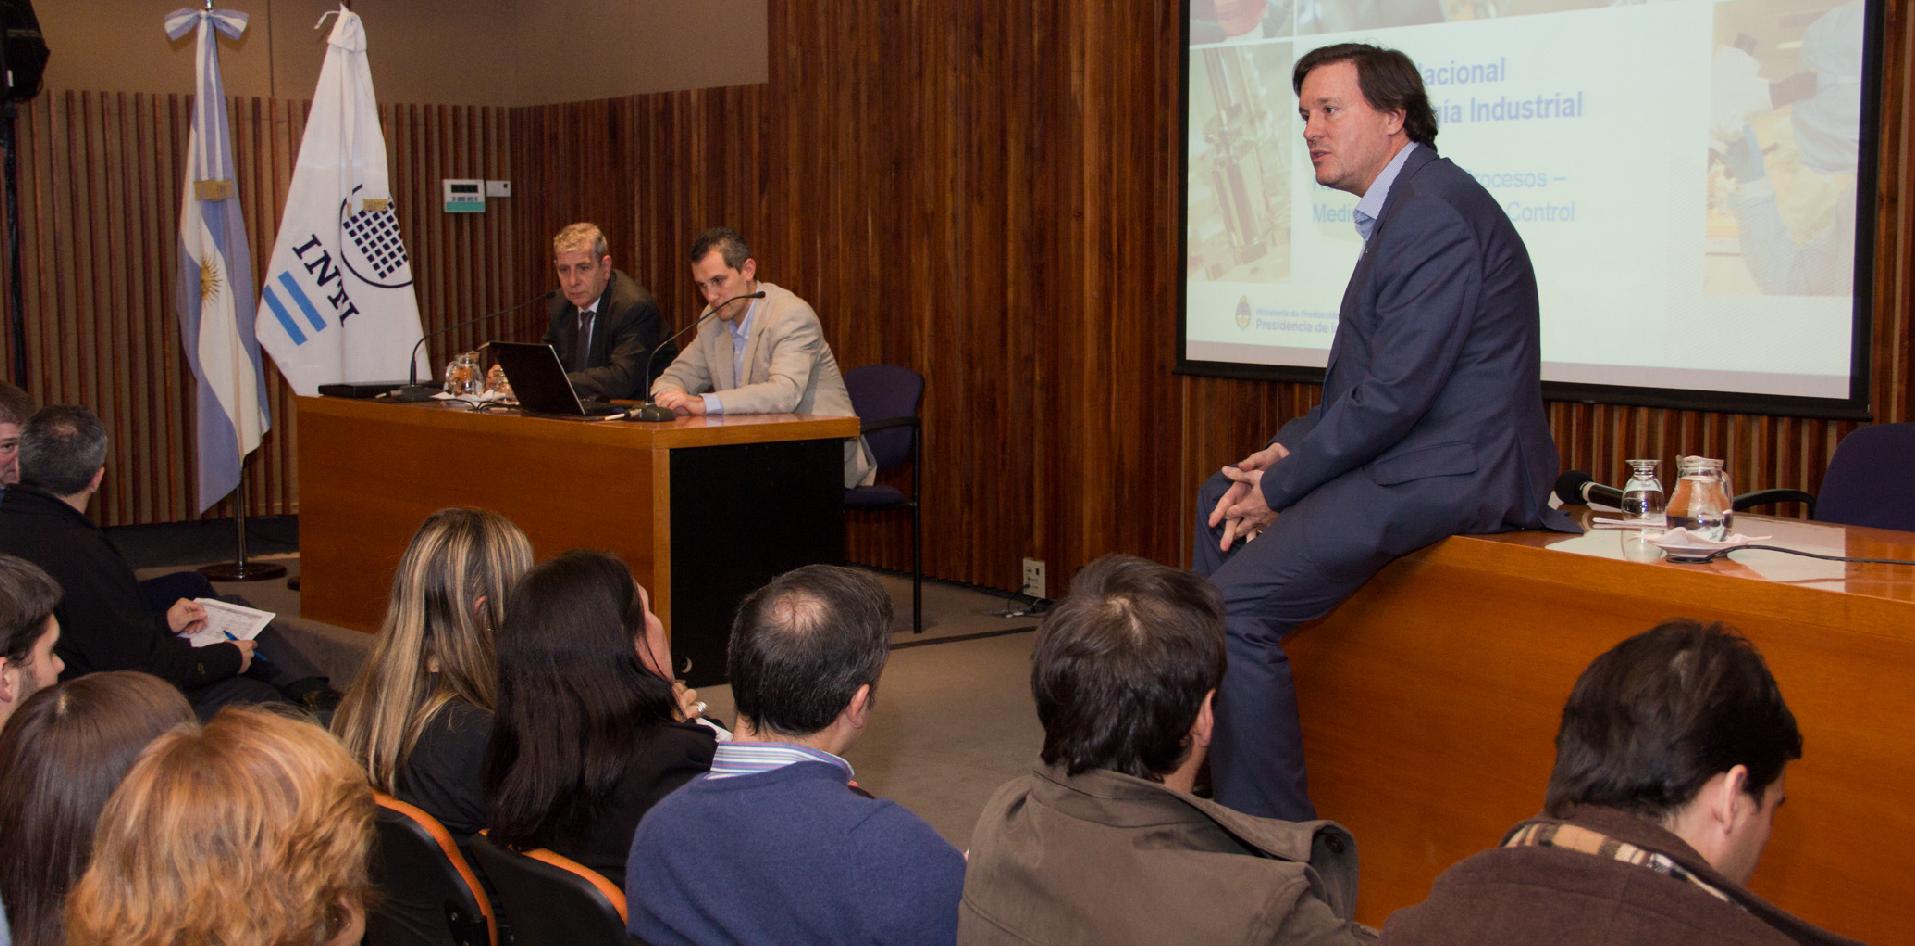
x=240 y=569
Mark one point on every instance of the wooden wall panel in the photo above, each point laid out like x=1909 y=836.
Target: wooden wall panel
x=985 y=192
x=100 y=176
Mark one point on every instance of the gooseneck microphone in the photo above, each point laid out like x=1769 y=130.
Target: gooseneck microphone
x=1578 y=488
x=414 y=392
x=650 y=412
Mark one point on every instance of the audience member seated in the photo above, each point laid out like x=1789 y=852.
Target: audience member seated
x=29 y=633
x=776 y=845
x=105 y=623
x=1669 y=771
x=255 y=829
x=590 y=732
x=63 y=753
x=15 y=407
x=1105 y=843
x=419 y=716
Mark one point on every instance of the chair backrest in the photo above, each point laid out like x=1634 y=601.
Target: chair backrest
x=551 y=899
x=1867 y=483
x=429 y=895
x=882 y=392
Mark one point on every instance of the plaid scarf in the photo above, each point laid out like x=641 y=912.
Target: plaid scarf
x=1569 y=837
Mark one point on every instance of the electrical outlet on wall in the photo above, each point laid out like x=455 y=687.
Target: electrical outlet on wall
x=1034 y=578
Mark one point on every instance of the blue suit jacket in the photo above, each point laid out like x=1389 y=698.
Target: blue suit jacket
x=1432 y=416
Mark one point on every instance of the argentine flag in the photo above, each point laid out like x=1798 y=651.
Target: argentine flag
x=214 y=291
x=336 y=303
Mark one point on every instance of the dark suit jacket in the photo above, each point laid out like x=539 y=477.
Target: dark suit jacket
x=624 y=333
x=1432 y=416
x=105 y=623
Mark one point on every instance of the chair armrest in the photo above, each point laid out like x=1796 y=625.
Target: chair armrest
x=1771 y=497
x=887 y=424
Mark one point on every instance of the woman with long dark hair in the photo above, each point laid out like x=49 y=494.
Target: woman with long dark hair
x=419 y=717
x=61 y=756
x=590 y=732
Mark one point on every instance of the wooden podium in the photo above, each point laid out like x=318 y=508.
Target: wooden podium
x=1431 y=699
x=703 y=509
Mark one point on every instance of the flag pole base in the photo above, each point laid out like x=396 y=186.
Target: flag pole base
x=243 y=571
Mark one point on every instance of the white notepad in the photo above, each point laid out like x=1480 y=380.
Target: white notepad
x=225 y=622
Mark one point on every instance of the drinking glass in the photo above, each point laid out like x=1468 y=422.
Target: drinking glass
x=1642 y=495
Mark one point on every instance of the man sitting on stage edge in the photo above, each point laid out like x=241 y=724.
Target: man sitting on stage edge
x=1431 y=422
x=1105 y=843
x=105 y=620
x=776 y=844
x=1668 y=776
x=759 y=356
x=606 y=326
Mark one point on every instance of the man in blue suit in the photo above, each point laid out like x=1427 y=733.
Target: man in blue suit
x=1431 y=422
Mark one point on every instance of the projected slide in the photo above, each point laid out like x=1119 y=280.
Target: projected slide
x=1684 y=174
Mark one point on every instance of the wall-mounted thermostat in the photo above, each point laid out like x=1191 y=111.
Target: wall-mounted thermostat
x=464 y=196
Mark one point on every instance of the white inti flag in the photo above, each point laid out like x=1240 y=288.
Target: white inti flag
x=337 y=301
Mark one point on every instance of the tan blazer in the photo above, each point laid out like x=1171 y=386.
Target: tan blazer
x=789 y=369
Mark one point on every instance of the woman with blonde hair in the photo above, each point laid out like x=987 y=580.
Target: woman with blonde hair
x=419 y=716
x=63 y=752
x=254 y=830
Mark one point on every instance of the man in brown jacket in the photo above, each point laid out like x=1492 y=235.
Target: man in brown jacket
x=1668 y=774
x=1105 y=843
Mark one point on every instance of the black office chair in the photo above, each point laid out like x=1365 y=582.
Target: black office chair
x=551 y=899
x=886 y=398
x=1867 y=483
x=428 y=894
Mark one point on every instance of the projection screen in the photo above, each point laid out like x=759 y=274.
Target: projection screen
x=1693 y=179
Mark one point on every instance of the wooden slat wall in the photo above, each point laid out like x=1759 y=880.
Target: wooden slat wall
x=986 y=192
x=100 y=177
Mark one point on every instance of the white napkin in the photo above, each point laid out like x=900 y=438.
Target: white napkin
x=1657 y=521
x=1684 y=539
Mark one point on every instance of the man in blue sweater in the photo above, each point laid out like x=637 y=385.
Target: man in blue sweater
x=777 y=844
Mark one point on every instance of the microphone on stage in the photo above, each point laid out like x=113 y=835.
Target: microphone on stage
x=650 y=412
x=1577 y=487
x=414 y=392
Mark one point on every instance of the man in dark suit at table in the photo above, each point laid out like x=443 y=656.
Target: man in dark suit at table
x=606 y=325
x=1431 y=422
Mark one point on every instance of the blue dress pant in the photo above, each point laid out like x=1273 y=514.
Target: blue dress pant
x=1287 y=576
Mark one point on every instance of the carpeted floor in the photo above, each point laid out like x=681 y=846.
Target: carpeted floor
x=953 y=719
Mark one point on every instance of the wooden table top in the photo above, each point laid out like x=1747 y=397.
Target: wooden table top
x=700 y=431
x=1623 y=546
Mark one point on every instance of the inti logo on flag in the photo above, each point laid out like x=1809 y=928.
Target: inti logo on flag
x=337 y=303
x=371 y=241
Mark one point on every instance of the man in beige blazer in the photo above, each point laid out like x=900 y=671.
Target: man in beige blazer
x=756 y=356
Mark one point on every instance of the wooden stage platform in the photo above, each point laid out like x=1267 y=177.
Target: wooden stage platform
x=1431 y=698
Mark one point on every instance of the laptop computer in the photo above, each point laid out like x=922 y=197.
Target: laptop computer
x=538 y=381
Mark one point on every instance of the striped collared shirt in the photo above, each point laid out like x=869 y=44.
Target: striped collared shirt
x=753 y=758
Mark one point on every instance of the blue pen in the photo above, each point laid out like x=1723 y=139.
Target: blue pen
x=257 y=656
